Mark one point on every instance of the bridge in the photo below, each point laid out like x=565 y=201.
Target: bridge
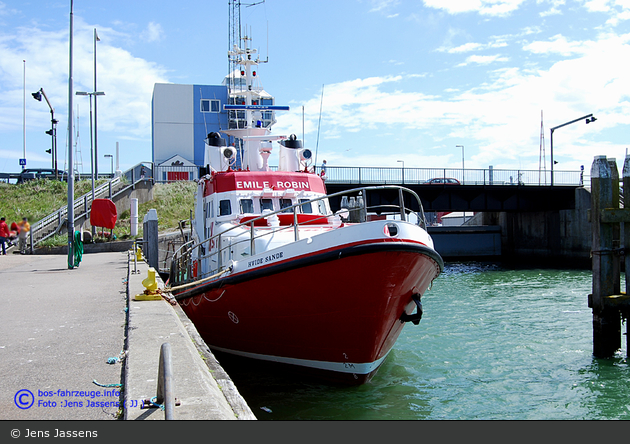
x=522 y=216
x=478 y=190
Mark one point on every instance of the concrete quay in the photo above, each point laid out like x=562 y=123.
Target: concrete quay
x=75 y=345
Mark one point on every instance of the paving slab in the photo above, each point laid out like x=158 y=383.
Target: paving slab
x=71 y=348
x=58 y=328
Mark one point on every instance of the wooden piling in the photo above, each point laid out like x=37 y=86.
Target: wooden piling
x=626 y=246
x=606 y=318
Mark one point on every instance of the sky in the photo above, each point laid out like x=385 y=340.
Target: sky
x=368 y=82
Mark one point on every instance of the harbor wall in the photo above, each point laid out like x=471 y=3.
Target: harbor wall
x=472 y=242
x=558 y=237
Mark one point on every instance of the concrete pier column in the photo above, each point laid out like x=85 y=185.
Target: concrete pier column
x=606 y=322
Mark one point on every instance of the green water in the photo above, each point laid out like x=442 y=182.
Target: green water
x=494 y=343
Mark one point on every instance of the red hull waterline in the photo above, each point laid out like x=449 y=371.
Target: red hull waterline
x=336 y=313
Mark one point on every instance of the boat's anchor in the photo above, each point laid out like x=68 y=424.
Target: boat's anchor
x=415 y=317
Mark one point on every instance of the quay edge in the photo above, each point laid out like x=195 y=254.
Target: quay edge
x=203 y=388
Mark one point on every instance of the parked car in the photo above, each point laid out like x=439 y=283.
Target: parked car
x=443 y=180
x=39 y=173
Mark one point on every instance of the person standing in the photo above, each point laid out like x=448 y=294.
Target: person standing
x=323 y=171
x=4 y=234
x=25 y=227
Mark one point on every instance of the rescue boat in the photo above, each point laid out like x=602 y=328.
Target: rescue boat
x=278 y=270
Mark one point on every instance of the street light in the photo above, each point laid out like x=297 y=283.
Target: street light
x=112 y=162
x=463 y=169
x=589 y=118
x=96 y=39
x=53 y=131
x=403 y=170
x=92 y=140
x=93 y=153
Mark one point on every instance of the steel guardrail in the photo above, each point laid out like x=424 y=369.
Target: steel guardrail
x=59 y=217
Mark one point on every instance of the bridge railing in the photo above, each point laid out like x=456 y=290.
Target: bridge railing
x=490 y=176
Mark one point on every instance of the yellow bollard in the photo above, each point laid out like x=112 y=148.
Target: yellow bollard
x=151 y=292
x=138 y=254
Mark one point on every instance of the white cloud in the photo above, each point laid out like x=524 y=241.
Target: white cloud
x=500 y=118
x=380 y=5
x=126 y=80
x=153 y=32
x=558 y=45
x=472 y=46
x=483 y=59
x=483 y=7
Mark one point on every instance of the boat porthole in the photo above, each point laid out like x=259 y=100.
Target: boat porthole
x=233 y=317
x=390 y=230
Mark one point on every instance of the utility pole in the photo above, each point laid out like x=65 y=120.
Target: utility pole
x=70 y=157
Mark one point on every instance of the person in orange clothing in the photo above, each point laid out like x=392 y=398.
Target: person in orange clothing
x=4 y=234
x=25 y=227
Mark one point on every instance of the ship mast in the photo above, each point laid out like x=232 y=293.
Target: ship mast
x=249 y=120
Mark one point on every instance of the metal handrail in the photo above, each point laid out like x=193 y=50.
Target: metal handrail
x=60 y=216
x=181 y=264
x=414 y=176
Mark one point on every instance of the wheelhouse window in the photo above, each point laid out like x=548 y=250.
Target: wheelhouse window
x=210 y=106
x=266 y=204
x=225 y=208
x=247 y=206
x=285 y=203
x=307 y=208
x=322 y=207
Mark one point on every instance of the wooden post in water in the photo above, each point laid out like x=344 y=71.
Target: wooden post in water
x=605 y=214
x=626 y=246
x=616 y=227
x=606 y=320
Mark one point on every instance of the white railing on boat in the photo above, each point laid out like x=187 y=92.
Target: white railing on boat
x=182 y=263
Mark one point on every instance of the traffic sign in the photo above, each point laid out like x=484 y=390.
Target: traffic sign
x=23 y=162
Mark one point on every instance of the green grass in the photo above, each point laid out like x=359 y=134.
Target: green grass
x=38 y=198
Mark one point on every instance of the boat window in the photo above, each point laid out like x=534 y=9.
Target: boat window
x=322 y=207
x=307 y=208
x=285 y=203
x=225 y=208
x=247 y=206
x=266 y=204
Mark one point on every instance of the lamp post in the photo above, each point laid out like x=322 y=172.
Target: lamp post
x=463 y=169
x=71 y=263
x=53 y=131
x=111 y=158
x=92 y=140
x=96 y=39
x=93 y=152
x=589 y=118
x=403 y=170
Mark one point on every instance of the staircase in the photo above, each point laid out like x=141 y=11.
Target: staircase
x=56 y=223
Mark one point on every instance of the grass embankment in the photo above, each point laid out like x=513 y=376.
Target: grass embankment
x=38 y=198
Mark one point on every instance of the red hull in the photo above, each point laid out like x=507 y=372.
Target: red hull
x=339 y=315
